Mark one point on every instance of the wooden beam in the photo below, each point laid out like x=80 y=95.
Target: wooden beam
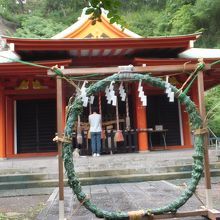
x=19 y=69
x=136 y=69
x=60 y=134
x=200 y=212
x=31 y=92
x=213 y=214
x=202 y=110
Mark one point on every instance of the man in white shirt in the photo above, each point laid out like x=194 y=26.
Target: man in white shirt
x=95 y=129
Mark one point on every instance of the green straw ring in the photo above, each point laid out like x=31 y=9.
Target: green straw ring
x=75 y=109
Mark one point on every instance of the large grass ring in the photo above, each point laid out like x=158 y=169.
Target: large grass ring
x=75 y=109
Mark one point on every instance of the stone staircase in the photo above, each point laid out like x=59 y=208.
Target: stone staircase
x=39 y=173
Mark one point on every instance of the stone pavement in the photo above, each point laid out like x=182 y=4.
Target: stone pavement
x=28 y=207
x=112 y=196
x=119 y=197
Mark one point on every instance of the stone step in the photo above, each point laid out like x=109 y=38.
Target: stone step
x=99 y=173
x=26 y=177
x=101 y=180
x=5 y=171
x=150 y=161
x=26 y=192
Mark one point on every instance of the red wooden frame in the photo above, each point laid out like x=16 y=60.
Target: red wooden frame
x=2 y=124
x=10 y=123
x=69 y=44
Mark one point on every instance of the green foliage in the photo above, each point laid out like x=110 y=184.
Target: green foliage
x=8 y=9
x=173 y=6
x=95 y=9
x=3 y=216
x=145 y=17
x=9 y=5
x=182 y=21
x=64 y=11
x=207 y=16
x=142 y=22
x=212 y=100
x=35 y=27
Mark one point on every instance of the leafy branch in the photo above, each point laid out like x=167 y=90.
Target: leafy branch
x=112 y=7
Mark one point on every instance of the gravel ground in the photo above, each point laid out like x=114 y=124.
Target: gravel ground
x=21 y=207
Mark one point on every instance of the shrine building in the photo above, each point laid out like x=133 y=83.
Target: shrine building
x=28 y=121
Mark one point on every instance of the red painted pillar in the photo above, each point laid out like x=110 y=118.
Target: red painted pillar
x=2 y=124
x=194 y=94
x=9 y=125
x=187 y=142
x=185 y=118
x=141 y=121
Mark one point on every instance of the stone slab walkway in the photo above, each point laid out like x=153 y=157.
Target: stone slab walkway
x=118 y=197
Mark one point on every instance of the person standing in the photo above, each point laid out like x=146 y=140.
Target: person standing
x=95 y=129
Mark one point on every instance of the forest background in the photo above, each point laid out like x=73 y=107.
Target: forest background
x=45 y=18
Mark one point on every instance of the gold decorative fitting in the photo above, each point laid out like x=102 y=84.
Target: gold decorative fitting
x=37 y=85
x=136 y=215
x=24 y=84
x=174 y=81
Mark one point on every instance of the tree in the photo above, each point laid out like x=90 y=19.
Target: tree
x=8 y=8
x=207 y=17
x=112 y=6
x=141 y=21
x=37 y=27
x=212 y=100
x=182 y=21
